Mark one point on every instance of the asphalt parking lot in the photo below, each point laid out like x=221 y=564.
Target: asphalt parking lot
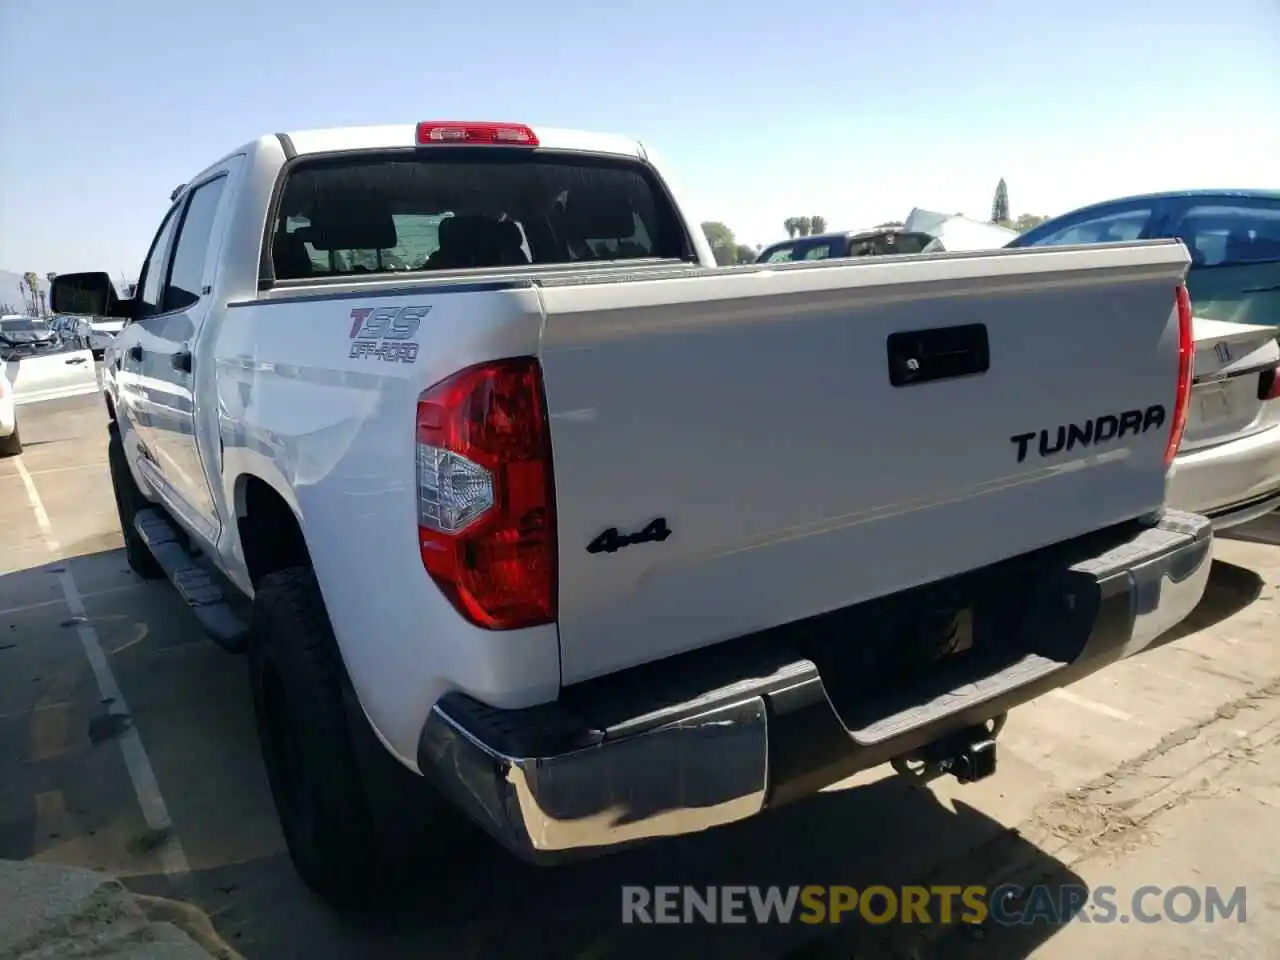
x=127 y=744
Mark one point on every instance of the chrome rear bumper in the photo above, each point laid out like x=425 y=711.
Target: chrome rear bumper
x=719 y=735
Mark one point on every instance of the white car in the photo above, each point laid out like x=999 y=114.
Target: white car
x=1228 y=467
x=10 y=440
x=96 y=333
x=38 y=364
x=102 y=332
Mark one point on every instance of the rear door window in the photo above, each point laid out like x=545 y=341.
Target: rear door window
x=374 y=214
x=1235 y=257
x=1231 y=232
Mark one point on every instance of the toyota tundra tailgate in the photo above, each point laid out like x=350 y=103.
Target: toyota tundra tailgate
x=745 y=448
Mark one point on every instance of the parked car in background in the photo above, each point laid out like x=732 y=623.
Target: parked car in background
x=40 y=364
x=26 y=335
x=102 y=332
x=1229 y=464
x=93 y=333
x=849 y=243
x=72 y=328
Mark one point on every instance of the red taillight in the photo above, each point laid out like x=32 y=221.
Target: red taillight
x=1186 y=364
x=1269 y=385
x=486 y=501
x=464 y=131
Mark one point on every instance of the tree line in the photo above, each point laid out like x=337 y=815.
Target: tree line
x=727 y=250
x=804 y=226
x=1023 y=223
x=1000 y=212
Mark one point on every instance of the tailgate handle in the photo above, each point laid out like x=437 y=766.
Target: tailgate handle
x=941 y=353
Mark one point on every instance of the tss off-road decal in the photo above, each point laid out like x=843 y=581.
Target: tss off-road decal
x=386 y=333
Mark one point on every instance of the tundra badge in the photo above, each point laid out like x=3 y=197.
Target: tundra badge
x=1068 y=436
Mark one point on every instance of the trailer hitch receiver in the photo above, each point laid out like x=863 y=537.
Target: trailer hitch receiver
x=968 y=755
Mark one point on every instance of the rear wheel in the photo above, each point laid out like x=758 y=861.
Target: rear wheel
x=324 y=777
x=11 y=445
x=129 y=500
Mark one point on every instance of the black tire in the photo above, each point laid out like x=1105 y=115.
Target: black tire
x=305 y=731
x=11 y=445
x=129 y=500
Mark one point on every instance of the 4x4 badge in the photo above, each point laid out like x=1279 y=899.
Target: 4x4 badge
x=612 y=541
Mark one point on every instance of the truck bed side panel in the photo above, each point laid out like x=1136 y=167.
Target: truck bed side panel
x=334 y=433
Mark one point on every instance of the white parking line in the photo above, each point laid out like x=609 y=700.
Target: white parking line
x=105 y=591
x=90 y=465
x=145 y=786
x=1062 y=693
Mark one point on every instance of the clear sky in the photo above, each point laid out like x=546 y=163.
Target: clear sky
x=855 y=110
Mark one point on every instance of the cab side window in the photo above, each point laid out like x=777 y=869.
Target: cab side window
x=186 y=276
x=151 y=282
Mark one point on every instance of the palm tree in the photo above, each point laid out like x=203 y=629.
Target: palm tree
x=817 y=225
x=791 y=226
x=32 y=280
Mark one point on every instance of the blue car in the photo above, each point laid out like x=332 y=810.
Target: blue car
x=1233 y=237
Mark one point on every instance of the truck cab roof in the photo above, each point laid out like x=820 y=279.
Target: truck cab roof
x=312 y=142
x=392 y=136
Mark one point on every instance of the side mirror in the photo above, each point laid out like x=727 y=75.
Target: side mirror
x=88 y=294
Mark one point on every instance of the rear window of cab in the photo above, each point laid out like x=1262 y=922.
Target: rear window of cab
x=462 y=208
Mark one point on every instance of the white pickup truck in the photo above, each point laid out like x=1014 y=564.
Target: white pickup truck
x=459 y=432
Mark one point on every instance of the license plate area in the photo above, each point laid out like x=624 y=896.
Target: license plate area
x=1213 y=404
x=1221 y=409
x=895 y=662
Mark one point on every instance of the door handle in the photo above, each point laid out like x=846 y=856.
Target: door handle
x=75 y=360
x=182 y=361
x=939 y=353
x=135 y=352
